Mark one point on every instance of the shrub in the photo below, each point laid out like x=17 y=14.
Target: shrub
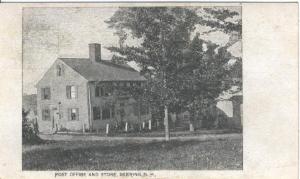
x=29 y=131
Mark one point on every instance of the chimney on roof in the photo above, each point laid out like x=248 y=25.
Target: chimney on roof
x=95 y=52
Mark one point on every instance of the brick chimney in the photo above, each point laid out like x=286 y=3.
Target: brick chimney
x=95 y=52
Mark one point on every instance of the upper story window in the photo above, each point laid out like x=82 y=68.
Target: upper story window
x=99 y=91
x=103 y=91
x=59 y=70
x=46 y=93
x=71 y=92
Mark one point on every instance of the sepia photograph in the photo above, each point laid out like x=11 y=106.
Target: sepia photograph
x=132 y=88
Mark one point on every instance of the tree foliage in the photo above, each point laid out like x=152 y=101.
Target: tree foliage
x=194 y=76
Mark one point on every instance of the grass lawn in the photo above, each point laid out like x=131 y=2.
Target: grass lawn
x=130 y=155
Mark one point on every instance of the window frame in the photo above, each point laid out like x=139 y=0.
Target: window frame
x=104 y=117
x=98 y=110
x=103 y=113
x=43 y=90
x=70 y=112
x=69 y=92
x=43 y=113
x=103 y=91
x=73 y=92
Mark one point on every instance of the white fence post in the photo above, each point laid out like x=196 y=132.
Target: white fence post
x=143 y=125
x=126 y=126
x=150 y=125
x=107 y=129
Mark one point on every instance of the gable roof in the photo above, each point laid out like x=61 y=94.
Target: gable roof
x=102 y=71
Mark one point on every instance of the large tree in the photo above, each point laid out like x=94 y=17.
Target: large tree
x=164 y=32
x=165 y=46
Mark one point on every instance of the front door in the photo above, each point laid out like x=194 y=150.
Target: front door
x=55 y=119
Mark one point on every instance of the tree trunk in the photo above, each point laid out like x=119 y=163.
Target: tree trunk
x=191 y=127
x=192 y=118
x=166 y=121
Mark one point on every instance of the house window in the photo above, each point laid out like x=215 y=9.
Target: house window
x=46 y=93
x=96 y=113
x=105 y=113
x=58 y=70
x=46 y=114
x=97 y=91
x=73 y=114
x=71 y=92
x=102 y=91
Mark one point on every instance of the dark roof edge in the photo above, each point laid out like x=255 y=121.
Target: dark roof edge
x=105 y=62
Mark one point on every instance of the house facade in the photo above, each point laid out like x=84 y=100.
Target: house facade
x=83 y=94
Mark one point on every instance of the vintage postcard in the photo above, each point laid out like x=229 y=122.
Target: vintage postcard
x=150 y=90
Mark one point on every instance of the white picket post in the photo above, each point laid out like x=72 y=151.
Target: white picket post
x=107 y=129
x=126 y=126
x=143 y=125
x=150 y=125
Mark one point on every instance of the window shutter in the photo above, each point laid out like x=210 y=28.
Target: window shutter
x=69 y=114
x=43 y=114
x=49 y=93
x=94 y=113
x=100 y=108
x=77 y=114
x=42 y=93
x=97 y=91
x=101 y=91
x=68 y=91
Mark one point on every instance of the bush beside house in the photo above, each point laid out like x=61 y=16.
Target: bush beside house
x=29 y=130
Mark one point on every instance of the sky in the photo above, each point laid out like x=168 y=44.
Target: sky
x=49 y=33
